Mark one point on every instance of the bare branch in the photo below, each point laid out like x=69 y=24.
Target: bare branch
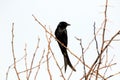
x=13 y=52
x=39 y=64
x=33 y=58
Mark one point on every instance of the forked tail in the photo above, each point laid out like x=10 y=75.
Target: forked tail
x=67 y=62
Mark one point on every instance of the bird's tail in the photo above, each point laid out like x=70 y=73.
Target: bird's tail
x=67 y=62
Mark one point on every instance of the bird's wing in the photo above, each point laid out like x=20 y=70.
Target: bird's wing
x=64 y=38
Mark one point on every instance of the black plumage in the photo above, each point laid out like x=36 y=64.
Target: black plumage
x=61 y=35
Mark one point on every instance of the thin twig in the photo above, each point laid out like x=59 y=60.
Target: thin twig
x=48 y=68
x=83 y=59
x=33 y=58
x=39 y=64
x=13 y=52
x=118 y=73
x=96 y=39
x=8 y=72
x=108 y=66
x=103 y=36
x=57 y=64
x=87 y=65
x=26 y=61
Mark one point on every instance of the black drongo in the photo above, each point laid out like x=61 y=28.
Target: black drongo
x=61 y=35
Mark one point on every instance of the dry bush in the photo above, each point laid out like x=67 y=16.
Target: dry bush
x=90 y=72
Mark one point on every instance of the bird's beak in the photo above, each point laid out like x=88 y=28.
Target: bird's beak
x=68 y=24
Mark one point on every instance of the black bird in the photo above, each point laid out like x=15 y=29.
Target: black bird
x=61 y=35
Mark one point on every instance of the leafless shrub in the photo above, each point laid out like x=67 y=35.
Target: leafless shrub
x=90 y=72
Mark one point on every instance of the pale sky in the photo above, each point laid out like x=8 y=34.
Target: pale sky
x=81 y=14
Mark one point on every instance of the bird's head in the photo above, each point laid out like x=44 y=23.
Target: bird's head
x=63 y=24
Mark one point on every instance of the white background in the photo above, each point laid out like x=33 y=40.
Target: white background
x=81 y=14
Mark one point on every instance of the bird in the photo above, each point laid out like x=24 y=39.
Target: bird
x=61 y=35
